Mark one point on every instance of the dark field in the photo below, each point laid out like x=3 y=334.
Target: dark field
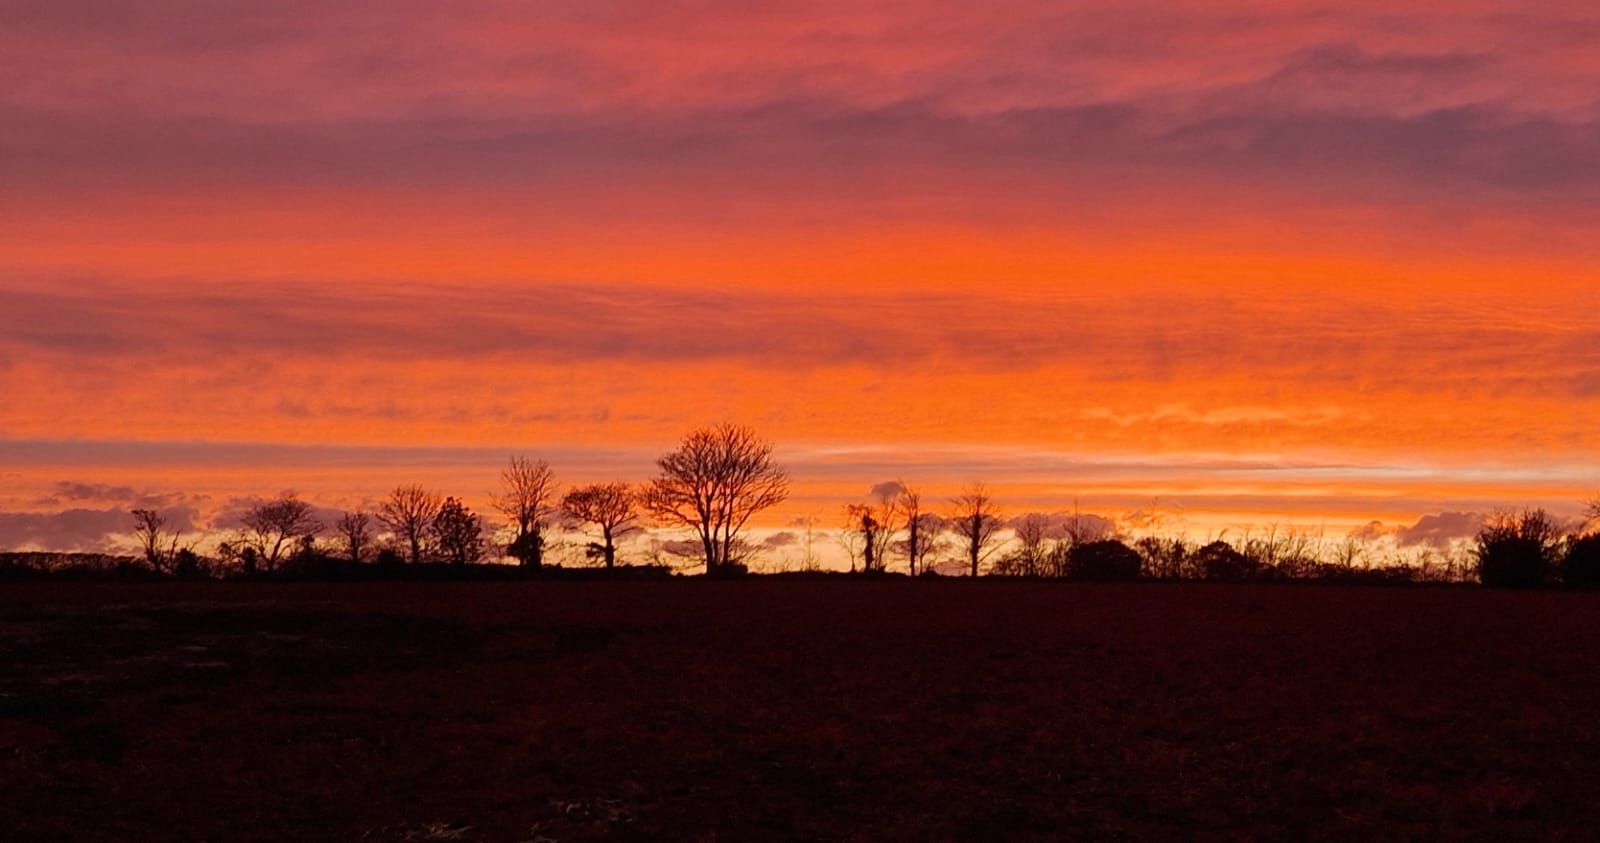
x=769 y=710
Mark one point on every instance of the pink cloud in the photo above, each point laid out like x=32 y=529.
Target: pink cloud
x=925 y=100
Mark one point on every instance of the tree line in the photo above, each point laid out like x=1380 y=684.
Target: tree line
x=718 y=478
x=713 y=483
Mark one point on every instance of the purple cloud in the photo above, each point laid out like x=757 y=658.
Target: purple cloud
x=1440 y=529
x=83 y=530
x=886 y=489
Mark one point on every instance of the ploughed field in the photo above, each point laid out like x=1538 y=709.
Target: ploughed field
x=772 y=709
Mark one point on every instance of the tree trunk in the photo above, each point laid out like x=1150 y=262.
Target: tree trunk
x=710 y=544
x=977 y=524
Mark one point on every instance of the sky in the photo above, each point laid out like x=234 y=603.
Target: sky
x=1204 y=266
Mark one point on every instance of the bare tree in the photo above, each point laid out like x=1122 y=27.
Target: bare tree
x=457 y=532
x=609 y=506
x=147 y=527
x=715 y=480
x=911 y=507
x=1350 y=553
x=860 y=530
x=921 y=529
x=1287 y=551
x=808 y=544
x=527 y=502
x=975 y=520
x=870 y=527
x=408 y=513
x=275 y=526
x=355 y=529
x=1031 y=530
x=1591 y=515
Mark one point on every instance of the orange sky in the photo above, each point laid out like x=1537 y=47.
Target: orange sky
x=1318 y=265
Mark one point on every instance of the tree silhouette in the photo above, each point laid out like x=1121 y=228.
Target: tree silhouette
x=871 y=527
x=355 y=529
x=609 y=506
x=861 y=534
x=921 y=529
x=147 y=527
x=457 y=532
x=527 y=501
x=408 y=513
x=713 y=482
x=275 y=526
x=975 y=520
x=1031 y=554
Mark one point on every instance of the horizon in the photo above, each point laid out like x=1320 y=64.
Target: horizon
x=807 y=529
x=1189 y=270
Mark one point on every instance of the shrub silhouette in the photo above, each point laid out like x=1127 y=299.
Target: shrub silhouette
x=1220 y=562
x=1104 y=561
x=1581 y=568
x=186 y=564
x=1164 y=558
x=1511 y=562
x=1518 y=551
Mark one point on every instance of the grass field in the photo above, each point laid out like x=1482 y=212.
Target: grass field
x=772 y=710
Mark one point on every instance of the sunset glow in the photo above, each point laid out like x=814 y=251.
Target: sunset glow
x=1319 y=265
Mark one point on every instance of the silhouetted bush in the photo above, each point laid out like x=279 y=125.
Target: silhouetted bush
x=1518 y=551
x=1512 y=562
x=1279 y=554
x=320 y=566
x=1164 y=558
x=1218 y=561
x=34 y=565
x=1581 y=568
x=20 y=572
x=1104 y=561
x=188 y=565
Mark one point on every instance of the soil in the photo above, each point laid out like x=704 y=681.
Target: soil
x=794 y=710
